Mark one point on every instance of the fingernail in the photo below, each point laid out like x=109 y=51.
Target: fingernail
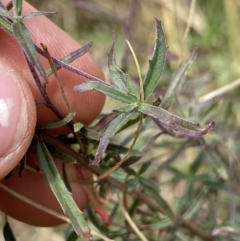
x=10 y=107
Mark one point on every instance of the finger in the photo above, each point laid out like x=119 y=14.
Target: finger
x=86 y=105
x=17 y=118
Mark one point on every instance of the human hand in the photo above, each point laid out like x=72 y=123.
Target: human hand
x=19 y=116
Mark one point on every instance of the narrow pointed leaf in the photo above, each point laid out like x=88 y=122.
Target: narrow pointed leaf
x=156 y=64
x=8 y=233
x=106 y=89
x=112 y=129
x=38 y=13
x=162 y=203
x=17 y=7
x=5 y=13
x=6 y=25
x=59 y=123
x=9 y=5
x=127 y=108
x=24 y=39
x=117 y=76
x=149 y=184
x=174 y=122
x=144 y=167
x=130 y=85
x=71 y=57
x=178 y=81
x=62 y=194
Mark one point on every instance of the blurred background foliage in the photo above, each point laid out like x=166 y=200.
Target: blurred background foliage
x=199 y=179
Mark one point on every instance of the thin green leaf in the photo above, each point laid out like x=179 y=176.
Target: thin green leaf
x=197 y=163
x=112 y=129
x=149 y=184
x=130 y=171
x=117 y=76
x=162 y=203
x=106 y=89
x=174 y=122
x=24 y=40
x=181 y=236
x=62 y=194
x=144 y=167
x=156 y=64
x=17 y=7
x=132 y=183
x=5 y=25
x=130 y=85
x=5 y=13
x=195 y=207
x=65 y=177
x=8 y=233
x=72 y=237
x=9 y=5
x=64 y=157
x=127 y=108
x=77 y=126
x=59 y=123
x=38 y=13
x=178 y=81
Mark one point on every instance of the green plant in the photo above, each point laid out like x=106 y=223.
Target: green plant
x=160 y=214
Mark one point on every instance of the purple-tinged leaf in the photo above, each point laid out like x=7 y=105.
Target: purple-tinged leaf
x=22 y=35
x=112 y=129
x=104 y=122
x=70 y=57
x=106 y=89
x=174 y=122
x=38 y=13
x=178 y=81
x=156 y=64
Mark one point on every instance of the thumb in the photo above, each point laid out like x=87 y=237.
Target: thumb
x=17 y=117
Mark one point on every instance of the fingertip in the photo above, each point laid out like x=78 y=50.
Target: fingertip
x=17 y=118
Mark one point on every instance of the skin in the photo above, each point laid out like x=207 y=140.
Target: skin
x=17 y=94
